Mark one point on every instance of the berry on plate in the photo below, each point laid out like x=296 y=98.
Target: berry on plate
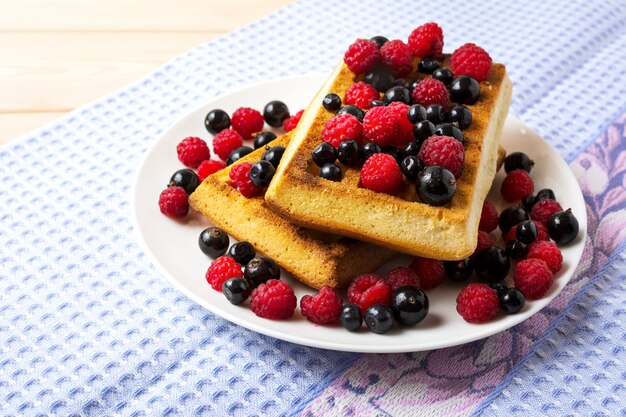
x=544 y=209
x=563 y=226
x=208 y=167
x=488 y=217
x=185 y=178
x=351 y=317
x=240 y=180
x=367 y=290
x=430 y=272
x=518 y=160
x=213 y=242
x=259 y=270
x=192 y=151
x=273 y=300
x=516 y=185
x=323 y=307
x=216 y=121
x=275 y=112
x=225 y=142
x=484 y=240
x=547 y=252
x=236 y=290
x=401 y=277
x=533 y=278
x=409 y=305
x=477 y=303
x=173 y=202
x=247 y=121
x=492 y=264
x=379 y=318
x=222 y=269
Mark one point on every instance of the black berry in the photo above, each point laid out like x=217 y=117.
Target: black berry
x=411 y=148
x=516 y=249
x=369 y=149
x=379 y=318
x=323 y=154
x=499 y=287
x=435 y=114
x=273 y=155
x=238 y=153
x=401 y=82
x=275 y=112
x=492 y=264
x=444 y=75
x=263 y=138
x=464 y=90
x=259 y=270
x=331 y=172
x=216 y=121
x=397 y=154
x=414 y=84
x=331 y=102
x=435 y=185
x=242 y=252
x=236 y=290
x=563 y=227
x=348 y=153
x=545 y=194
x=512 y=300
x=518 y=160
x=528 y=202
x=185 y=178
x=409 y=305
x=377 y=103
x=397 y=93
x=459 y=270
x=416 y=113
x=511 y=216
x=423 y=130
x=448 y=129
x=353 y=110
x=261 y=173
x=379 y=41
x=461 y=115
x=526 y=232
x=213 y=242
x=380 y=78
x=428 y=65
x=351 y=317
x=411 y=166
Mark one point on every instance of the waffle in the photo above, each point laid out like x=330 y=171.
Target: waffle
x=315 y=258
x=398 y=222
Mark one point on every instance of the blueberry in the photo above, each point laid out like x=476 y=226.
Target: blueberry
x=414 y=84
x=512 y=300
x=216 y=121
x=397 y=93
x=348 y=153
x=242 y=252
x=492 y=264
x=397 y=154
x=435 y=113
x=369 y=149
x=518 y=160
x=526 y=232
x=236 y=290
x=379 y=318
x=528 y=202
x=331 y=172
x=275 y=112
x=516 y=249
x=435 y=185
x=563 y=226
x=448 y=129
x=411 y=166
x=273 y=155
x=323 y=154
x=511 y=216
x=411 y=148
x=428 y=65
x=461 y=115
x=464 y=90
x=263 y=138
x=545 y=194
x=416 y=113
x=351 y=317
x=444 y=75
x=238 y=153
x=499 y=287
x=380 y=78
x=379 y=41
x=401 y=82
x=353 y=110
x=261 y=173
x=260 y=270
x=185 y=178
x=213 y=242
x=459 y=270
x=423 y=130
x=331 y=102
x=409 y=305
x=377 y=103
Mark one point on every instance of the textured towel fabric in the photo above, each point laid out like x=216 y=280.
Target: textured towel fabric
x=88 y=327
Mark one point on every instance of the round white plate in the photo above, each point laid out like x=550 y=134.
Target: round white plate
x=173 y=246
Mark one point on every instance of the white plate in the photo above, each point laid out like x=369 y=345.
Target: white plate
x=173 y=246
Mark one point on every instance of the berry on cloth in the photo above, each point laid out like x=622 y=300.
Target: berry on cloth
x=544 y=209
x=273 y=300
x=426 y=40
x=367 y=290
x=477 y=303
x=290 y=123
x=472 y=60
x=430 y=91
x=547 y=252
x=192 y=151
x=208 y=167
x=323 y=307
x=247 y=121
x=397 y=56
x=401 y=277
x=444 y=151
x=342 y=127
x=488 y=217
x=361 y=94
x=225 y=142
x=173 y=202
x=240 y=179
x=381 y=126
x=533 y=278
x=516 y=185
x=222 y=269
x=430 y=272
x=381 y=173
x=361 y=56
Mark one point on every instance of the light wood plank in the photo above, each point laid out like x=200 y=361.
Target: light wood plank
x=13 y=125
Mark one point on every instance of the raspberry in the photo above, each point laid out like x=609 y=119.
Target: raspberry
x=430 y=91
x=290 y=123
x=323 y=307
x=208 y=167
x=488 y=217
x=192 y=151
x=443 y=151
x=361 y=94
x=430 y=272
x=426 y=40
x=544 y=209
x=173 y=202
x=381 y=126
x=472 y=60
x=516 y=185
x=484 y=241
x=533 y=278
x=273 y=300
x=342 y=127
x=477 y=303
x=381 y=173
x=361 y=56
x=367 y=290
x=547 y=252
x=401 y=276
x=397 y=55
x=222 y=269
x=225 y=142
x=405 y=129
x=240 y=179
x=246 y=122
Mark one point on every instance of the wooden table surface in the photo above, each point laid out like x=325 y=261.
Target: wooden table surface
x=57 y=55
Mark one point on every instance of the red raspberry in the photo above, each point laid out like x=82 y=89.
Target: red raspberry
x=443 y=151
x=484 y=241
x=361 y=94
x=367 y=290
x=477 y=303
x=246 y=122
x=290 y=123
x=401 y=276
x=544 y=209
x=430 y=272
x=472 y=60
x=516 y=185
x=381 y=126
x=192 y=151
x=273 y=300
x=405 y=130
x=547 y=252
x=426 y=40
x=240 y=179
x=173 y=202
x=533 y=278
x=430 y=91
x=397 y=55
x=225 y=142
x=222 y=269
x=208 y=167
x=323 y=307
x=488 y=217
x=361 y=56
x=342 y=127
x=381 y=173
